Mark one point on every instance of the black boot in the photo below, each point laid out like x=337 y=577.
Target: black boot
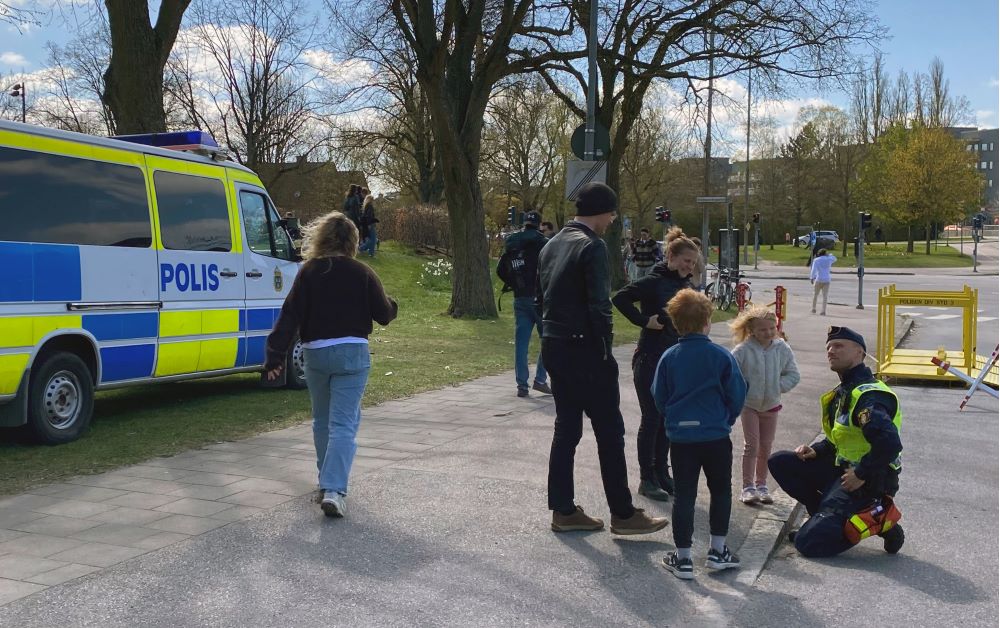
x=892 y=541
x=665 y=481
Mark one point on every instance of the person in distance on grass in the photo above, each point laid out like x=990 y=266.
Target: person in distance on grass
x=517 y=269
x=573 y=294
x=856 y=464
x=699 y=390
x=330 y=307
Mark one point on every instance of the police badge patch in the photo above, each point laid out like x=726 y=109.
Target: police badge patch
x=864 y=416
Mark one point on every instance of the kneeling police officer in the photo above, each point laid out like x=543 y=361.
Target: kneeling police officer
x=857 y=465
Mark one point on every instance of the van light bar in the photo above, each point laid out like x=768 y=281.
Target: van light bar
x=198 y=141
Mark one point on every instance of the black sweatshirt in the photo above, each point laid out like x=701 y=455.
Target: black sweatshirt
x=331 y=297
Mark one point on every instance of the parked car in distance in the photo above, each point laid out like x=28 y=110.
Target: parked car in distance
x=829 y=236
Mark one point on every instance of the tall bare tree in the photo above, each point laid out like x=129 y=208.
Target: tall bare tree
x=526 y=127
x=133 y=82
x=463 y=49
x=642 y=41
x=258 y=83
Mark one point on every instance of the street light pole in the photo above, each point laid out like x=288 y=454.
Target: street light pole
x=591 y=132
x=746 y=190
x=861 y=259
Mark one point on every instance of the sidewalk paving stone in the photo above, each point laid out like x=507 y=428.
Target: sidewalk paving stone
x=202 y=491
x=144 y=501
x=129 y=516
x=98 y=554
x=193 y=507
x=40 y=545
x=62 y=574
x=210 y=479
x=21 y=567
x=87 y=493
x=74 y=508
x=237 y=513
x=56 y=526
x=116 y=534
x=186 y=524
x=11 y=590
x=158 y=487
x=257 y=499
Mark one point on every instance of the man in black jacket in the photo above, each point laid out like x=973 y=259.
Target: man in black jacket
x=573 y=294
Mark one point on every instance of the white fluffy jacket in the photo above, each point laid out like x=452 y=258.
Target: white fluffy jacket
x=768 y=372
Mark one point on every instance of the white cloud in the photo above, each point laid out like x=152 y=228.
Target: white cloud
x=994 y=82
x=13 y=59
x=986 y=118
x=328 y=67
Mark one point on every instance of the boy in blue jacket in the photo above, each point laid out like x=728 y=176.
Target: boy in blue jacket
x=699 y=390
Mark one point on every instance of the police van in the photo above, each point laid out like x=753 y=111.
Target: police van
x=127 y=261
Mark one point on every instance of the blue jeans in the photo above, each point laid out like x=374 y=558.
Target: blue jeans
x=336 y=377
x=526 y=319
x=370 y=243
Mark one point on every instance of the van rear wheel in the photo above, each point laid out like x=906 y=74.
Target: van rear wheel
x=60 y=398
x=295 y=367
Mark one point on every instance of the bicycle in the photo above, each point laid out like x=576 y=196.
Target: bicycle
x=724 y=293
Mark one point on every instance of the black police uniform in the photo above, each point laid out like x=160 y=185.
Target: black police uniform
x=816 y=482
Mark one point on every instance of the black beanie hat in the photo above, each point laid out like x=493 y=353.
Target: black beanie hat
x=845 y=333
x=595 y=199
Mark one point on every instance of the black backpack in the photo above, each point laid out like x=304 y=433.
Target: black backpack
x=516 y=270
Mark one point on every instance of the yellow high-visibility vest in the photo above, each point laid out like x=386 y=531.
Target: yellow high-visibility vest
x=848 y=437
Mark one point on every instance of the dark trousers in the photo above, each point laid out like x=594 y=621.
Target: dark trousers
x=651 y=442
x=716 y=458
x=816 y=483
x=583 y=381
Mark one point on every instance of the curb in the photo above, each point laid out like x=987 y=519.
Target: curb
x=771 y=526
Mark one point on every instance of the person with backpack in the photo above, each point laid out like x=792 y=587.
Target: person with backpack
x=517 y=269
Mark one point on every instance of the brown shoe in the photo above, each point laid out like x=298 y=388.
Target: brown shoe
x=638 y=523
x=579 y=520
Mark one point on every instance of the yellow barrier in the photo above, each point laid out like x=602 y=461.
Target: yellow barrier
x=916 y=363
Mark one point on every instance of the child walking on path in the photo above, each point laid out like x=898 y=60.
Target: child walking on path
x=699 y=390
x=768 y=366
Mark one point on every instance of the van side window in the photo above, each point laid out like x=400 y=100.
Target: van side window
x=68 y=200
x=193 y=212
x=264 y=234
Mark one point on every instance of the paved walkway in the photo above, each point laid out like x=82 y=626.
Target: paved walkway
x=447 y=524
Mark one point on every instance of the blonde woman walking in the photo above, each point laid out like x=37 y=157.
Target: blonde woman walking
x=330 y=307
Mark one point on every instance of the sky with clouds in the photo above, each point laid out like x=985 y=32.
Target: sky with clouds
x=964 y=36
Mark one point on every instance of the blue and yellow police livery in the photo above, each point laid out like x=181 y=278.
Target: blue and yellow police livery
x=124 y=261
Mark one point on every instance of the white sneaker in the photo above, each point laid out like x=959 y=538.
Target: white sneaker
x=333 y=504
x=749 y=495
x=764 y=496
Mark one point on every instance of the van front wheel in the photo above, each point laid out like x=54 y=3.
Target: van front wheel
x=60 y=398
x=295 y=367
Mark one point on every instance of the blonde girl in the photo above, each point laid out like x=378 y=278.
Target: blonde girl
x=768 y=365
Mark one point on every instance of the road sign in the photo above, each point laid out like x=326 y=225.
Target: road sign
x=579 y=173
x=602 y=141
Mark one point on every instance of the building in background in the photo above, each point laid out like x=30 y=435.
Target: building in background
x=308 y=188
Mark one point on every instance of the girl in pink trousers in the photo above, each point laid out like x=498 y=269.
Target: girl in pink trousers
x=768 y=365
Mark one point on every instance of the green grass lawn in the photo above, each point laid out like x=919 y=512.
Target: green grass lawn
x=421 y=350
x=877 y=255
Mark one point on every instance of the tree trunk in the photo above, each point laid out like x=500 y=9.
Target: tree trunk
x=133 y=82
x=909 y=238
x=471 y=280
x=927 y=241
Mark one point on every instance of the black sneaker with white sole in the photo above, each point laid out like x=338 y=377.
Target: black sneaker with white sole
x=683 y=568
x=722 y=560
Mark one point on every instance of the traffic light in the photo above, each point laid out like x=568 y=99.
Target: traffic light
x=666 y=216
x=756 y=218
x=659 y=212
x=511 y=215
x=866 y=220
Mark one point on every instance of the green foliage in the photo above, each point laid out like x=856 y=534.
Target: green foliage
x=917 y=176
x=877 y=255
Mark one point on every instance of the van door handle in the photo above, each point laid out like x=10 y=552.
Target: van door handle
x=228 y=273
x=254 y=274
